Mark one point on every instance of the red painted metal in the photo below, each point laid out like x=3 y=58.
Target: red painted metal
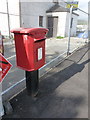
x=4 y=67
x=30 y=47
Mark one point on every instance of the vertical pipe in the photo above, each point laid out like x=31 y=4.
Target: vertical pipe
x=20 y=13
x=32 y=82
x=8 y=18
x=69 y=32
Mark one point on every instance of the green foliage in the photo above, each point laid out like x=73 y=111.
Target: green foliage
x=59 y=37
x=82 y=22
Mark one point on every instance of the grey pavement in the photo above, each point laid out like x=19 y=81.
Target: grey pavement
x=54 y=54
x=63 y=91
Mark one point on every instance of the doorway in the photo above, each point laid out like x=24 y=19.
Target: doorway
x=52 y=23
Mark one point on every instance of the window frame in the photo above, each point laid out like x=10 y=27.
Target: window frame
x=40 y=21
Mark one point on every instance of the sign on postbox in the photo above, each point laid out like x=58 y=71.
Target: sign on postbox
x=4 y=67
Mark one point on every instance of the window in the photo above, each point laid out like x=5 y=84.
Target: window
x=55 y=1
x=41 y=21
x=71 y=22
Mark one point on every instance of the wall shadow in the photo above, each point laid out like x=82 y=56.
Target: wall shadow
x=51 y=82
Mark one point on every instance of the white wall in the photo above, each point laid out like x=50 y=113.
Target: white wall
x=3 y=17
x=61 y=22
x=74 y=25
x=3 y=7
x=29 y=16
x=4 y=24
x=14 y=13
x=14 y=21
x=30 y=12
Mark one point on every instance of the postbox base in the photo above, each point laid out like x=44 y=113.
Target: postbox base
x=32 y=82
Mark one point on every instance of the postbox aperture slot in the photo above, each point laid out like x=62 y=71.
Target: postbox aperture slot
x=39 y=40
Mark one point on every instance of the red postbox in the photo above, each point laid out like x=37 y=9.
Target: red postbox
x=30 y=47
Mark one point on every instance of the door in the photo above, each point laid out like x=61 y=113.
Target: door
x=52 y=23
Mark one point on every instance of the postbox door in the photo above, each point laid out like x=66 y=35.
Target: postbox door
x=39 y=54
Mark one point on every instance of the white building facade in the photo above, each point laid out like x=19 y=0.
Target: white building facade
x=28 y=14
x=9 y=15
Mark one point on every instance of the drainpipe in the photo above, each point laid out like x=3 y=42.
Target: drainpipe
x=20 y=13
x=8 y=17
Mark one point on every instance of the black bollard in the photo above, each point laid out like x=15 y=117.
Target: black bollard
x=32 y=82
